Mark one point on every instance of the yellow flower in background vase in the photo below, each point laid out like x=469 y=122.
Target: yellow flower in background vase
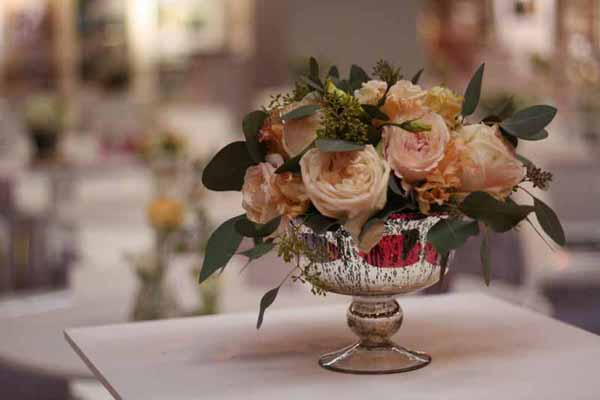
x=165 y=214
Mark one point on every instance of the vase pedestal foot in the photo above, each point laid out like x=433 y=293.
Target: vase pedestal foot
x=358 y=359
x=374 y=320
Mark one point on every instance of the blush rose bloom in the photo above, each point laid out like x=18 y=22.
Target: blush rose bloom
x=487 y=161
x=267 y=195
x=404 y=101
x=350 y=186
x=413 y=155
x=370 y=92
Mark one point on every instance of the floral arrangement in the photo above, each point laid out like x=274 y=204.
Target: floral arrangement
x=351 y=152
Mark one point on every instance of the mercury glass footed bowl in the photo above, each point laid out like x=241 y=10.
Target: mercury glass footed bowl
x=402 y=262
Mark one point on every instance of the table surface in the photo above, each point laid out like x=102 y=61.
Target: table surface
x=482 y=348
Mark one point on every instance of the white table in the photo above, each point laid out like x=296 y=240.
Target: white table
x=481 y=347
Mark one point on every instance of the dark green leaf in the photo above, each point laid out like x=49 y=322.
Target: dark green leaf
x=357 y=77
x=414 y=126
x=444 y=258
x=251 y=127
x=409 y=240
x=486 y=265
x=247 y=228
x=301 y=112
x=374 y=135
x=337 y=145
x=473 y=92
x=513 y=140
x=221 y=246
x=501 y=216
x=259 y=250
x=374 y=112
x=333 y=72
x=450 y=234
x=395 y=187
x=314 y=69
x=319 y=223
x=265 y=302
x=549 y=221
x=311 y=83
x=529 y=124
x=293 y=164
x=415 y=79
x=491 y=120
x=228 y=167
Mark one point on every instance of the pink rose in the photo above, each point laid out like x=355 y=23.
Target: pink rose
x=487 y=161
x=413 y=155
x=350 y=186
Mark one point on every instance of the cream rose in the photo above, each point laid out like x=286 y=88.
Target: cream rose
x=370 y=92
x=404 y=101
x=299 y=133
x=350 y=186
x=487 y=161
x=267 y=195
x=413 y=155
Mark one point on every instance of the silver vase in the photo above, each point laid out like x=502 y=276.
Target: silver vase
x=402 y=262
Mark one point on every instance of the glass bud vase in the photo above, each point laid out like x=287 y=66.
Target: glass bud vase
x=402 y=262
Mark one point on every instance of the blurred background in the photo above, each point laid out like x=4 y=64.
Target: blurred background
x=109 y=109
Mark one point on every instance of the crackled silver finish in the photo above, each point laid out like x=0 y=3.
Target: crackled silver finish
x=402 y=262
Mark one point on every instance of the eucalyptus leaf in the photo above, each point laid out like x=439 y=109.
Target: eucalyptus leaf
x=449 y=234
x=258 y=251
x=374 y=112
x=251 y=127
x=301 y=112
x=333 y=72
x=311 y=83
x=373 y=135
x=549 y=221
x=319 y=223
x=337 y=145
x=265 y=303
x=247 y=228
x=415 y=79
x=473 y=92
x=314 y=69
x=513 y=140
x=357 y=77
x=484 y=254
x=221 y=246
x=228 y=167
x=293 y=164
x=501 y=216
x=529 y=123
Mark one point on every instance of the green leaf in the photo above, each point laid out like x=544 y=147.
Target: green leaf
x=337 y=145
x=450 y=234
x=501 y=216
x=293 y=164
x=524 y=160
x=374 y=135
x=314 y=69
x=409 y=240
x=333 y=72
x=445 y=257
x=549 y=221
x=374 y=112
x=265 y=303
x=251 y=127
x=414 y=126
x=473 y=92
x=415 y=79
x=395 y=187
x=529 y=124
x=221 y=246
x=513 y=140
x=301 y=112
x=228 y=167
x=259 y=250
x=319 y=223
x=357 y=77
x=311 y=83
x=484 y=254
x=247 y=228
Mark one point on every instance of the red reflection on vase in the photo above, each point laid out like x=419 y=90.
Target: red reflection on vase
x=388 y=253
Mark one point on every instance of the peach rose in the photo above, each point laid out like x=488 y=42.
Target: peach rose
x=266 y=195
x=413 y=155
x=444 y=102
x=404 y=101
x=349 y=186
x=487 y=161
x=370 y=92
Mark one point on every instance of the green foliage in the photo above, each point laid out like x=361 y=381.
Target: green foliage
x=484 y=255
x=385 y=71
x=337 y=145
x=415 y=79
x=414 y=126
x=265 y=303
x=357 y=77
x=333 y=72
x=549 y=221
x=258 y=251
x=301 y=112
x=343 y=117
x=473 y=92
x=293 y=164
x=221 y=246
x=451 y=233
x=319 y=223
x=374 y=112
x=529 y=124
x=251 y=127
x=500 y=216
x=247 y=228
x=228 y=167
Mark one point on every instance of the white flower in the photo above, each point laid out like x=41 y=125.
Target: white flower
x=370 y=92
